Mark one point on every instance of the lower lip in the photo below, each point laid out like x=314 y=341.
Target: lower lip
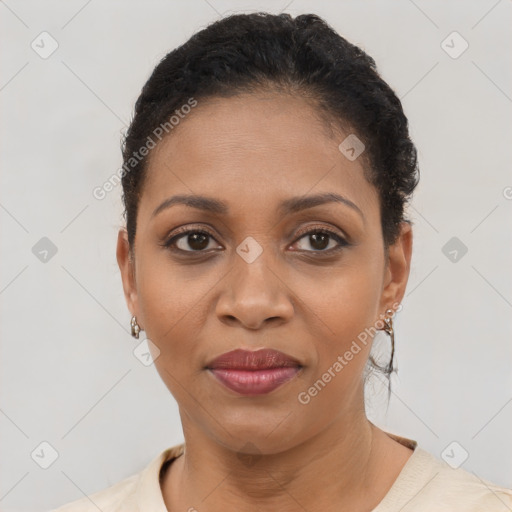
x=254 y=382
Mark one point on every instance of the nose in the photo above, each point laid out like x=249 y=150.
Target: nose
x=254 y=294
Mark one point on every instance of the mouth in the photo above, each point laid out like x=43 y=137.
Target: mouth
x=254 y=372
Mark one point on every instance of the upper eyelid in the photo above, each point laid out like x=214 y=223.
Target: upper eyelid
x=187 y=229
x=329 y=230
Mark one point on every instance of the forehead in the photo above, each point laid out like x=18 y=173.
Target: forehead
x=254 y=149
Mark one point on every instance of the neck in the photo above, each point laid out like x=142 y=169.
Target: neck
x=341 y=462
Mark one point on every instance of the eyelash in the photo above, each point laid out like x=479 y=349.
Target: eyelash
x=181 y=234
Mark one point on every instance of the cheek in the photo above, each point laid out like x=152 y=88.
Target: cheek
x=345 y=306
x=333 y=384
x=173 y=302
x=171 y=310
x=345 y=300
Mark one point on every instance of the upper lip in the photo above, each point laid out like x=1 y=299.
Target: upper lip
x=265 y=358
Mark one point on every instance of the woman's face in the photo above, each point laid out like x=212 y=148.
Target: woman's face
x=281 y=288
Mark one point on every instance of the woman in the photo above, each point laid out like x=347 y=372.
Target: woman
x=266 y=174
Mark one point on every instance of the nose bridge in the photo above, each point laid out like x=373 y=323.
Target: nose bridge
x=252 y=264
x=253 y=274
x=254 y=291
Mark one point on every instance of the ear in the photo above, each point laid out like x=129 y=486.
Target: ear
x=127 y=268
x=397 y=269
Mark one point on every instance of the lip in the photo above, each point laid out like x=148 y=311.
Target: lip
x=263 y=359
x=254 y=372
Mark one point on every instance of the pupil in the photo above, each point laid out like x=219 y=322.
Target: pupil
x=198 y=241
x=315 y=237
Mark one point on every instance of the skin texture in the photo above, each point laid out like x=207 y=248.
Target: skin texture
x=252 y=152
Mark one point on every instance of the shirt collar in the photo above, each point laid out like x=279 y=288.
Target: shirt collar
x=149 y=492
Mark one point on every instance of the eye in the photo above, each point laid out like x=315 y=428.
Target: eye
x=190 y=240
x=319 y=239
x=198 y=240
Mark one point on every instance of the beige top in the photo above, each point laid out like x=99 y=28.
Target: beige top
x=425 y=484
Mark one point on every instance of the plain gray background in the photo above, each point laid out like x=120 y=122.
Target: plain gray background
x=68 y=373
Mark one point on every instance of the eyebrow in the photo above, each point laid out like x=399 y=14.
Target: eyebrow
x=287 y=207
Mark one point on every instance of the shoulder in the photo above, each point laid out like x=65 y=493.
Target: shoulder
x=455 y=490
x=108 y=499
x=139 y=491
x=428 y=483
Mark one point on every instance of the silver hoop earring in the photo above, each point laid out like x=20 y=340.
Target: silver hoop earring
x=135 y=327
x=388 y=328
